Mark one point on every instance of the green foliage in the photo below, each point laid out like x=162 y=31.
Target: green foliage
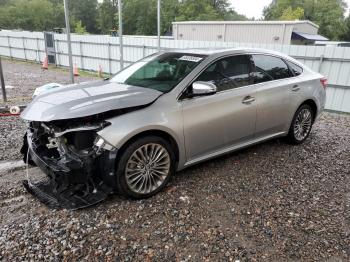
x=192 y=10
x=86 y=12
x=328 y=14
x=79 y=28
x=290 y=14
x=140 y=16
x=232 y=15
x=275 y=10
x=93 y=16
x=31 y=15
x=346 y=35
x=106 y=16
x=207 y=10
x=170 y=9
x=3 y=2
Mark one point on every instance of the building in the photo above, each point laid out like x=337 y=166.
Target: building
x=332 y=43
x=267 y=32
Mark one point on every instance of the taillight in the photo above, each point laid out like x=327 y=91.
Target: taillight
x=324 y=82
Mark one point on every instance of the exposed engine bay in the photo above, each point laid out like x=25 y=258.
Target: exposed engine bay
x=78 y=164
x=62 y=140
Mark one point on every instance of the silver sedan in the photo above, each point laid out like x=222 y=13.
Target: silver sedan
x=130 y=133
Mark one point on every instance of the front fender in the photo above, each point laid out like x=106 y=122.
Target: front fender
x=156 y=117
x=117 y=137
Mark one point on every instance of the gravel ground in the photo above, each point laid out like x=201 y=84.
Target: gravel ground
x=269 y=202
x=23 y=78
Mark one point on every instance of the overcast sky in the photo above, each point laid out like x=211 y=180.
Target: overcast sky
x=253 y=8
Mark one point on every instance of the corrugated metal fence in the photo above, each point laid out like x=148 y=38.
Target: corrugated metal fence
x=90 y=51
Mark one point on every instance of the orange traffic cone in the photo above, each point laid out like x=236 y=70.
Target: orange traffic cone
x=75 y=70
x=99 y=71
x=45 y=63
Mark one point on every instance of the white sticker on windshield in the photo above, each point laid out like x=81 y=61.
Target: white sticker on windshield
x=195 y=59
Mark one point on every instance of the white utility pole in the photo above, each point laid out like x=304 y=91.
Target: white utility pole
x=158 y=23
x=120 y=33
x=69 y=44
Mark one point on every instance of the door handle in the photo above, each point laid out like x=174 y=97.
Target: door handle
x=248 y=100
x=295 y=88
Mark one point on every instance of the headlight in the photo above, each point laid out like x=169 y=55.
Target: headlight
x=102 y=144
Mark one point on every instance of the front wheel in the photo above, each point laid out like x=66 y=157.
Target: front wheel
x=145 y=167
x=301 y=124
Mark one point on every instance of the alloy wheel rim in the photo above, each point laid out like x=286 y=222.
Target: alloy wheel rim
x=147 y=168
x=303 y=124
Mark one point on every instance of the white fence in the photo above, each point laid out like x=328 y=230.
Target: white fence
x=90 y=51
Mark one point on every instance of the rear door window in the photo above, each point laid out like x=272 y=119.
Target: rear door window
x=228 y=73
x=296 y=70
x=268 y=68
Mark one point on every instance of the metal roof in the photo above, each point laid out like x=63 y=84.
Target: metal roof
x=298 y=35
x=248 y=22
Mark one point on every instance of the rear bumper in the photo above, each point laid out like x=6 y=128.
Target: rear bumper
x=71 y=183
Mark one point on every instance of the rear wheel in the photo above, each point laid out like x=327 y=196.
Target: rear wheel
x=145 y=167
x=301 y=124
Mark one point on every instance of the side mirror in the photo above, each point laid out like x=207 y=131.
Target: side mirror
x=200 y=88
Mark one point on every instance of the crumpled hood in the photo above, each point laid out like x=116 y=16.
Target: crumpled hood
x=87 y=99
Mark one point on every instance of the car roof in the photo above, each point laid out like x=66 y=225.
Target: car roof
x=239 y=50
x=212 y=51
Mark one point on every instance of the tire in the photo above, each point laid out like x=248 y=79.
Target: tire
x=133 y=174
x=299 y=132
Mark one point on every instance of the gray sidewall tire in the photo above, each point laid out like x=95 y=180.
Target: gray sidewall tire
x=291 y=135
x=122 y=185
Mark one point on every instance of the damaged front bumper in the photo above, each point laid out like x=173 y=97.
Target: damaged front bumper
x=72 y=181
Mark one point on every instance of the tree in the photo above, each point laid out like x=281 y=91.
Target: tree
x=79 y=28
x=275 y=10
x=346 y=35
x=328 y=14
x=232 y=15
x=290 y=14
x=191 y=10
x=38 y=15
x=86 y=12
x=221 y=6
x=139 y=16
x=106 y=16
x=208 y=10
x=58 y=16
x=169 y=12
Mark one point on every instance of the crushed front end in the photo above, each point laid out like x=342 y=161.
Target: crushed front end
x=79 y=165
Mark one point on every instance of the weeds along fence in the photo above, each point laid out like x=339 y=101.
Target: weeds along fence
x=92 y=51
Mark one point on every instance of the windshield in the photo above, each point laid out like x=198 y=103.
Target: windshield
x=161 y=72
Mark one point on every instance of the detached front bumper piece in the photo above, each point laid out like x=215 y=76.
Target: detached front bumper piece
x=72 y=182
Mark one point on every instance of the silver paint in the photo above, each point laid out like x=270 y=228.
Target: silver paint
x=202 y=127
x=87 y=99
